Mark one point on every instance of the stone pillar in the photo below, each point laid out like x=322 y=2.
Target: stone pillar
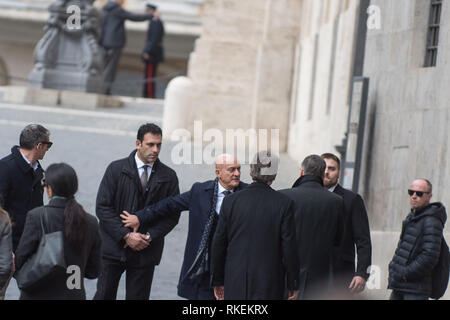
x=68 y=56
x=241 y=69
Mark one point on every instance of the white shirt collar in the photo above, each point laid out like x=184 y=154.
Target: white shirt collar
x=34 y=166
x=331 y=189
x=222 y=189
x=140 y=163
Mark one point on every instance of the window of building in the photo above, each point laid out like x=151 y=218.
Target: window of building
x=433 y=33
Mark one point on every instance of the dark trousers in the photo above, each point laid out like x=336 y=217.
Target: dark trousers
x=138 y=281
x=399 y=295
x=111 y=59
x=149 y=84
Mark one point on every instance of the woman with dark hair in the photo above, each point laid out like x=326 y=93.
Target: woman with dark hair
x=81 y=236
x=6 y=256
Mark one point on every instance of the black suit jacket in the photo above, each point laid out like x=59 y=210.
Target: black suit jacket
x=319 y=227
x=357 y=233
x=254 y=252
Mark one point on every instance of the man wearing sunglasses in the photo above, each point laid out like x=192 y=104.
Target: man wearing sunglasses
x=21 y=175
x=419 y=246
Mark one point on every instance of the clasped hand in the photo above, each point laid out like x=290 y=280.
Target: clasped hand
x=135 y=240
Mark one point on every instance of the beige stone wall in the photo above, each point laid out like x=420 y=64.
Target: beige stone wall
x=408 y=111
x=242 y=65
x=319 y=107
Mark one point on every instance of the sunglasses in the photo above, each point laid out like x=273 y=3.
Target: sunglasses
x=419 y=193
x=48 y=143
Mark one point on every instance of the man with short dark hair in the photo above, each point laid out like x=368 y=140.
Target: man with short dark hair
x=131 y=184
x=254 y=254
x=21 y=175
x=319 y=227
x=419 y=246
x=356 y=233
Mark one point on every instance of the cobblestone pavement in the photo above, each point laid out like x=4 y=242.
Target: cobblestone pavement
x=89 y=141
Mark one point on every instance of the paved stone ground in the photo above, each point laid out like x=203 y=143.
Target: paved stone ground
x=89 y=141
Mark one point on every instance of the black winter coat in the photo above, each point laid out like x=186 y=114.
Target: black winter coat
x=121 y=189
x=356 y=232
x=319 y=227
x=21 y=188
x=113 y=18
x=418 y=250
x=254 y=254
x=88 y=258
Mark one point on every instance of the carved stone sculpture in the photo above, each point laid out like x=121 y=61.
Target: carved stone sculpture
x=68 y=56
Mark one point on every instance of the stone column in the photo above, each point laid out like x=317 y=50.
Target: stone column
x=68 y=56
x=241 y=69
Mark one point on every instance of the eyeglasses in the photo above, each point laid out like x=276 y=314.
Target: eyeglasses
x=48 y=143
x=419 y=193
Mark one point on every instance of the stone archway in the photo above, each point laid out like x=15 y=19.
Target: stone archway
x=4 y=76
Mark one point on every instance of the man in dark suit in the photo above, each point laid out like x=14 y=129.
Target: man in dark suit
x=319 y=227
x=357 y=233
x=21 y=175
x=203 y=202
x=131 y=184
x=254 y=254
x=153 y=53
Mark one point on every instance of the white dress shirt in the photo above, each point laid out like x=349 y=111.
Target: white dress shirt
x=331 y=189
x=220 y=197
x=140 y=166
x=34 y=166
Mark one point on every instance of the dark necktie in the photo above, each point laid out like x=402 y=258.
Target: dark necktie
x=226 y=192
x=144 y=178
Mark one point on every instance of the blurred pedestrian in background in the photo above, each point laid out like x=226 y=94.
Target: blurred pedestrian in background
x=113 y=37
x=153 y=53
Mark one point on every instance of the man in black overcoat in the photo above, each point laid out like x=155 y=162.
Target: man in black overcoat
x=254 y=253
x=356 y=234
x=131 y=184
x=21 y=175
x=319 y=227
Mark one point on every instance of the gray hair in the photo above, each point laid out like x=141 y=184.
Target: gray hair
x=314 y=165
x=264 y=167
x=32 y=134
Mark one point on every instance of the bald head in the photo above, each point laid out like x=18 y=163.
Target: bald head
x=420 y=194
x=228 y=171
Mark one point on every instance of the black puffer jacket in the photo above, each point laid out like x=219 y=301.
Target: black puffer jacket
x=418 y=250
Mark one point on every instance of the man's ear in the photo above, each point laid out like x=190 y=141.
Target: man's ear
x=302 y=173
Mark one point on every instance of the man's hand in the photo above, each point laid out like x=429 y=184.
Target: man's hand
x=146 y=56
x=130 y=221
x=293 y=295
x=219 y=292
x=357 y=285
x=136 y=241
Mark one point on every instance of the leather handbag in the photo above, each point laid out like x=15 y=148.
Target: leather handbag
x=46 y=263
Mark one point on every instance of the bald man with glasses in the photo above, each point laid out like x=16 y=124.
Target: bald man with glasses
x=419 y=246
